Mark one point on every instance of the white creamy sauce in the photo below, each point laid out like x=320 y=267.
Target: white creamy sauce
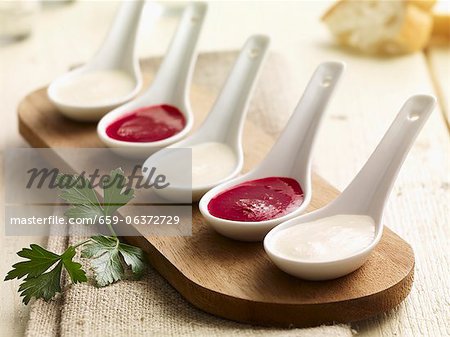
x=326 y=239
x=95 y=88
x=211 y=162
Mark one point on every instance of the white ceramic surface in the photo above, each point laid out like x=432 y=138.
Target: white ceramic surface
x=367 y=194
x=289 y=157
x=170 y=86
x=116 y=53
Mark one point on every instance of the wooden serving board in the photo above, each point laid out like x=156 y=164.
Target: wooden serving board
x=231 y=279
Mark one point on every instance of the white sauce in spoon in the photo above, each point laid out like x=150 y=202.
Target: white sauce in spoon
x=211 y=162
x=327 y=239
x=95 y=88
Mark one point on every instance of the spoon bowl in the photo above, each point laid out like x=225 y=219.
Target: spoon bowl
x=88 y=112
x=170 y=87
x=366 y=195
x=115 y=58
x=140 y=149
x=224 y=123
x=317 y=270
x=289 y=157
x=244 y=230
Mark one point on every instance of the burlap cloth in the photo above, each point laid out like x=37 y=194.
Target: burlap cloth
x=148 y=307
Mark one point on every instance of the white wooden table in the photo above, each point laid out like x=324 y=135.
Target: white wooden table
x=370 y=95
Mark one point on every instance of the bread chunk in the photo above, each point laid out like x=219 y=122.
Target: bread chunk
x=381 y=27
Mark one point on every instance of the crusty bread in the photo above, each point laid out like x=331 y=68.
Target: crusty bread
x=441 y=19
x=424 y=4
x=381 y=27
x=441 y=26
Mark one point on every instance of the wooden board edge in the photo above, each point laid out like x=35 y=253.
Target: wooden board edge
x=26 y=132
x=274 y=314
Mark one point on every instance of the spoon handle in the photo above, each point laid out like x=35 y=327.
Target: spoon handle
x=369 y=190
x=176 y=70
x=292 y=151
x=118 y=48
x=226 y=119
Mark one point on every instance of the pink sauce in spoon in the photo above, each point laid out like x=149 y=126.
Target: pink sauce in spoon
x=148 y=124
x=257 y=200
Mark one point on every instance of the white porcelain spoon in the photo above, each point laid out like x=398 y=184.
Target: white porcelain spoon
x=289 y=157
x=115 y=60
x=223 y=126
x=366 y=195
x=169 y=87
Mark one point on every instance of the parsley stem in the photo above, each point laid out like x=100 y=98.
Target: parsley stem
x=81 y=243
x=111 y=229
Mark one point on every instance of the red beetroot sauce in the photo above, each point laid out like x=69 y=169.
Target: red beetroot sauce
x=148 y=124
x=257 y=200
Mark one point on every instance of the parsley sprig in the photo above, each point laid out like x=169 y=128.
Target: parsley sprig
x=109 y=259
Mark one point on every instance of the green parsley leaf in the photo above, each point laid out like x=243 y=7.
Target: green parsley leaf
x=115 y=195
x=43 y=286
x=39 y=260
x=41 y=280
x=133 y=257
x=81 y=195
x=108 y=258
x=78 y=191
x=76 y=274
